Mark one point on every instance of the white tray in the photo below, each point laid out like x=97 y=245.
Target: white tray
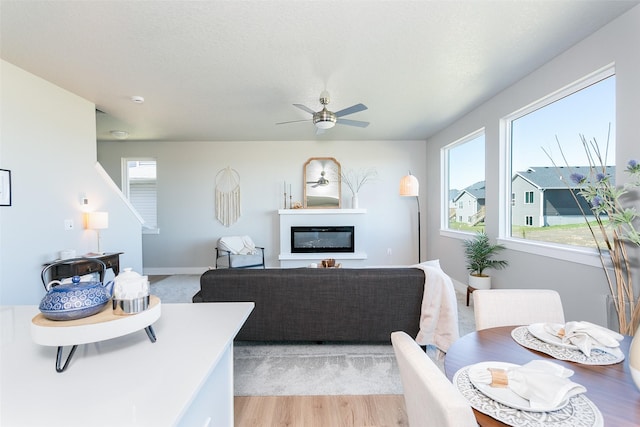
x=99 y=327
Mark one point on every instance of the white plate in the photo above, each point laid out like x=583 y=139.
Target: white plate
x=539 y=331
x=505 y=395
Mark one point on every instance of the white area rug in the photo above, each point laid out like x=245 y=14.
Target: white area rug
x=280 y=369
x=176 y=289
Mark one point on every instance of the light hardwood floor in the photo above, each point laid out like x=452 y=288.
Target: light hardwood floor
x=320 y=411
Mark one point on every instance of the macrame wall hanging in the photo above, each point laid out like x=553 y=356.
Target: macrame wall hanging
x=227 y=196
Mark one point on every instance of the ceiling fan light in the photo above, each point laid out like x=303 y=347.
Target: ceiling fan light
x=328 y=124
x=324 y=119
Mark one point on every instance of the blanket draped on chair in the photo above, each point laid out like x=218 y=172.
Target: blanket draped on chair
x=439 y=316
x=237 y=245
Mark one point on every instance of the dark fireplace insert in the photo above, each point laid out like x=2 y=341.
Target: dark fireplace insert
x=322 y=239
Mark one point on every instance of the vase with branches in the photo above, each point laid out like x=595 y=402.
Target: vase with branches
x=355 y=179
x=611 y=224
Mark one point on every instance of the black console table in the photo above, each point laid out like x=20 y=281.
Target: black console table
x=80 y=267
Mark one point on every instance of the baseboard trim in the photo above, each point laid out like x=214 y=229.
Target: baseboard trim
x=167 y=271
x=459 y=286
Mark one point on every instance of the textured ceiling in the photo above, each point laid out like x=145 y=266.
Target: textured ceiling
x=230 y=70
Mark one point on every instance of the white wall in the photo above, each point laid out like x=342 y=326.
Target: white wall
x=583 y=288
x=186 y=185
x=48 y=141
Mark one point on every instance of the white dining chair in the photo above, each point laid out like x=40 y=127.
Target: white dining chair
x=431 y=400
x=510 y=307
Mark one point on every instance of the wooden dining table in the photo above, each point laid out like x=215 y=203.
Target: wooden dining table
x=609 y=387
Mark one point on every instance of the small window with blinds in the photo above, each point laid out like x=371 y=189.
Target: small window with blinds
x=140 y=187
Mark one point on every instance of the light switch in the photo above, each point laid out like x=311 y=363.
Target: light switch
x=68 y=224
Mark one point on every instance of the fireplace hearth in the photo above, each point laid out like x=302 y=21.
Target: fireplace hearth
x=322 y=239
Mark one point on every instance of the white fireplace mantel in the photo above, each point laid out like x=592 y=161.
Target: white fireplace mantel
x=321 y=217
x=321 y=211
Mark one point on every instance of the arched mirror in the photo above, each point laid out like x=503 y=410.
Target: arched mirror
x=322 y=187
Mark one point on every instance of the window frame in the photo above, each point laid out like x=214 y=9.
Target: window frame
x=528 y=198
x=125 y=188
x=578 y=254
x=444 y=179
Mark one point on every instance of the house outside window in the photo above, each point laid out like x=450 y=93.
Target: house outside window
x=139 y=185
x=548 y=211
x=463 y=192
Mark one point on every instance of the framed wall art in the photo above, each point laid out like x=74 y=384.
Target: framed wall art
x=5 y=187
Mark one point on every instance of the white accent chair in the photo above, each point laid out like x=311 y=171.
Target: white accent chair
x=431 y=400
x=238 y=252
x=511 y=307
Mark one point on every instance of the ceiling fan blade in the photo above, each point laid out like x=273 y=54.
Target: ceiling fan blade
x=293 y=121
x=305 y=108
x=351 y=110
x=357 y=123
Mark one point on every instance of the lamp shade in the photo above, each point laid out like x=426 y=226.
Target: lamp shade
x=97 y=220
x=409 y=185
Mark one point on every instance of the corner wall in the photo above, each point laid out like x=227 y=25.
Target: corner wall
x=48 y=141
x=583 y=288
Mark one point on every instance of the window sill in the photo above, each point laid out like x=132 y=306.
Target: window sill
x=586 y=256
x=576 y=254
x=150 y=230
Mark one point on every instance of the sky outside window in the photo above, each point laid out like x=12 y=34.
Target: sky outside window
x=588 y=112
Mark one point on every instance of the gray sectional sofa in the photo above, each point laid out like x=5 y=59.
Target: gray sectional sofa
x=333 y=304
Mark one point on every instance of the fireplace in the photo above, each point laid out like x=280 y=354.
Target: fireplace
x=318 y=239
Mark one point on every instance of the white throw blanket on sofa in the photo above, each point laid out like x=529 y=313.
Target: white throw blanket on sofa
x=439 y=316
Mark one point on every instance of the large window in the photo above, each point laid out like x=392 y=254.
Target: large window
x=463 y=176
x=139 y=185
x=542 y=208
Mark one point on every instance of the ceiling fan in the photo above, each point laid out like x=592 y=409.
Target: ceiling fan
x=325 y=119
x=322 y=181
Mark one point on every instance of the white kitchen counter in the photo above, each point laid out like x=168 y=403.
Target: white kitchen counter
x=185 y=378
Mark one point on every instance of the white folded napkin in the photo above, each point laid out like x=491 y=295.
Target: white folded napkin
x=587 y=336
x=544 y=384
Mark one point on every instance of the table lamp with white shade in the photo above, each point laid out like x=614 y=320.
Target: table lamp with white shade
x=98 y=221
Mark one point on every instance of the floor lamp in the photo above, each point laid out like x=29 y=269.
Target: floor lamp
x=409 y=187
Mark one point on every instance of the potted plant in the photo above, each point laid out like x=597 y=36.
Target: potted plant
x=479 y=252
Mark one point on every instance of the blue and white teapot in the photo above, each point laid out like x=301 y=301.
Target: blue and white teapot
x=75 y=300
